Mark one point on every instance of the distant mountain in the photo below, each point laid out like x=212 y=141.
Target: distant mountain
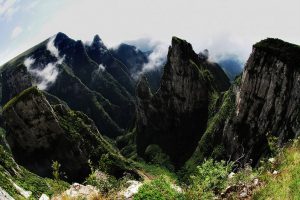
x=232 y=66
x=136 y=61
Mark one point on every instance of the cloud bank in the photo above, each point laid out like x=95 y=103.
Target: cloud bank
x=156 y=59
x=45 y=76
x=52 y=48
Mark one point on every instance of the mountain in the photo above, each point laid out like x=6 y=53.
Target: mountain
x=79 y=81
x=175 y=117
x=261 y=104
x=232 y=66
x=80 y=112
x=131 y=56
x=39 y=133
x=136 y=61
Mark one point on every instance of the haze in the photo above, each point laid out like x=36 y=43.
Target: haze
x=225 y=27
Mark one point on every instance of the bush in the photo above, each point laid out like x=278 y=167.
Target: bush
x=158 y=189
x=156 y=156
x=104 y=183
x=209 y=178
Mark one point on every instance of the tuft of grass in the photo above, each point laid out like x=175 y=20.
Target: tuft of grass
x=157 y=189
x=209 y=179
x=286 y=184
x=21 y=95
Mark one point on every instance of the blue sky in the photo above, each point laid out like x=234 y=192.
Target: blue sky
x=222 y=26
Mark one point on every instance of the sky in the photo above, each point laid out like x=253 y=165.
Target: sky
x=225 y=27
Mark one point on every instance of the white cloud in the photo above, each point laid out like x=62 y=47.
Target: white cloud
x=45 y=76
x=156 y=59
x=101 y=68
x=28 y=62
x=52 y=48
x=16 y=32
x=205 y=24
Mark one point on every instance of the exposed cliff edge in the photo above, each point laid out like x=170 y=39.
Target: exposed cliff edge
x=175 y=117
x=264 y=102
x=268 y=103
x=39 y=134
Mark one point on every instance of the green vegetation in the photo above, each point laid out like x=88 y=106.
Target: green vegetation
x=11 y=173
x=20 y=96
x=210 y=144
x=56 y=170
x=285 y=184
x=156 y=156
x=209 y=178
x=157 y=189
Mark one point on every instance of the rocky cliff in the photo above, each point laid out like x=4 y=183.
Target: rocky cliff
x=39 y=133
x=268 y=101
x=175 y=117
x=262 y=103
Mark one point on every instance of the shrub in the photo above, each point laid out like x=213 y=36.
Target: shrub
x=209 y=178
x=158 y=189
x=103 y=182
x=156 y=156
x=56 y=170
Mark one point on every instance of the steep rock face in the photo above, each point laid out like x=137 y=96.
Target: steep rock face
x=268 y=102
x=14 y=81
x=175 y=117
x=39 y=134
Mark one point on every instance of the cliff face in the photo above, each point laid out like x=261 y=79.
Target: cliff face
x=39 y=134
x=175 y=117
x=14 y=81
x=268 y=102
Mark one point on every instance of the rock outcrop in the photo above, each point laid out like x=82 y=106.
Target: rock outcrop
x=14 y=81
x=39 y=134
x=268 y=101
x=175 y=117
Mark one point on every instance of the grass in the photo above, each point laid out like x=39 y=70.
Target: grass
x=210 y=143
x=286 y=184
x=157 y=189
x=21 y=95
x=10 y=171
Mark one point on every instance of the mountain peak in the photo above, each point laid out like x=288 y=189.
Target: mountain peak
x=285 y=51
x=60 y=36
x=177 y=40
x=181 y=48
x=97 y=39
x=98 y=44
